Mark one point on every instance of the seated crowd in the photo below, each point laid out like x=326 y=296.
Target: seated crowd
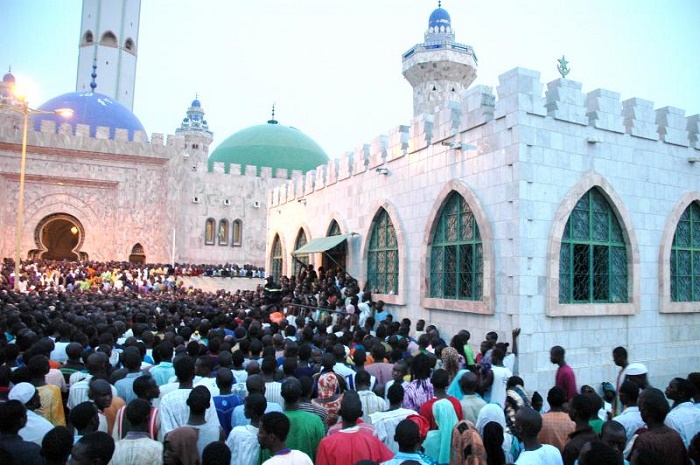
x=308 y=370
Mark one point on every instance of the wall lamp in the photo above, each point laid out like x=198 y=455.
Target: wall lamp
x=383 y=170
x=693 y=160
x=302 y=201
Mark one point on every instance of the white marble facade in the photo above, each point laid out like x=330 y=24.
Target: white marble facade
x=533 y=153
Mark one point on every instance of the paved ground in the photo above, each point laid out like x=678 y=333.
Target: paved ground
x=228 y=284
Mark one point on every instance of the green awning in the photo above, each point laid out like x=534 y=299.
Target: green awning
x=320 y=245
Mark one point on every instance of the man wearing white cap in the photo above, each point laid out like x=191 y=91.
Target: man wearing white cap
x=37 y=426
x=637 y=373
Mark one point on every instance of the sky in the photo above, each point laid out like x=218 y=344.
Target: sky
x=333 y=67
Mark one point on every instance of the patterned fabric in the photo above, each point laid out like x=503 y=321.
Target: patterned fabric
x=371 y=403
x=417 y=393
x=137 y=449
x=52 y=404
x=467 y=446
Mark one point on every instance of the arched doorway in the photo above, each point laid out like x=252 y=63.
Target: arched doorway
x=137 y=254
x=59 y=237
x=335 y=257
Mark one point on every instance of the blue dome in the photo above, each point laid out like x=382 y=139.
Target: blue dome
x=439 y=17
x=195 y=103
x=92 y=109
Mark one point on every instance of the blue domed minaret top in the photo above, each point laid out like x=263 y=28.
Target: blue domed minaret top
x=194 y=120
x=439 y=26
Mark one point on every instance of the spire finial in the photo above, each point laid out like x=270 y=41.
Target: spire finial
x=9 y=69
x=93 y=84
x=273 y=120
x=563 y=67
x=196 y=95
x=439 y=3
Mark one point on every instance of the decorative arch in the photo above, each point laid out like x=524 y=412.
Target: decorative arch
x=236 y=233
x=667 y=304
x=40 y=207
x=560 y=220
x=59 y=236
x=87 y=39
x=209 y=231
x=398 y=297
x=487 y=301
x=109 y=39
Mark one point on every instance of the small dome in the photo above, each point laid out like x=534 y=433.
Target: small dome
x=270 y=145
x=196 y=103
x=9 y=78
x=439 y=18
x=92 y=109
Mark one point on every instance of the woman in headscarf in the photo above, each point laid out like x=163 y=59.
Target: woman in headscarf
x=438 y=443
x=180 y=446
x=494 y=413
x=328 y=399
x=450 y=362
x=420 y=390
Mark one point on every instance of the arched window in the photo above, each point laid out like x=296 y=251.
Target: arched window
x=137 y=254
x=237 y=236
x=383 y=255
x=333 y=229
x=109 y=39
x=593 y=256
x=209 y=233
x=223 y=232
x=129 y=45
x=685 y=257
x=302 y=261
x=334 y=259
x=87 y=38
x=456 y=254
x=276 y=259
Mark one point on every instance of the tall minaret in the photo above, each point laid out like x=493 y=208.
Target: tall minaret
x=196 y=131
x=109 y=35
x=439 y=69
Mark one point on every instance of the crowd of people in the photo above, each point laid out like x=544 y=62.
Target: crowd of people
x=307 y=370
x=59 y=276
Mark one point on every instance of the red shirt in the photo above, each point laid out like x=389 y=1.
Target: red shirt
x=566 y=380
x=427 y=410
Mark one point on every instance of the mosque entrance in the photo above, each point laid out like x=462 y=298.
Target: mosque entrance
x=137 y=254
x=59 y=237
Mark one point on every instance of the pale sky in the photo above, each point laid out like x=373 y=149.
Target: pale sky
x=334 y=66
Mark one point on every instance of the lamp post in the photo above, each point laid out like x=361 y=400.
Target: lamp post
x=23 y=107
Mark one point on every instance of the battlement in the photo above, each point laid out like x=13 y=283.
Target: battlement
x=519 y=93
x=63 y=137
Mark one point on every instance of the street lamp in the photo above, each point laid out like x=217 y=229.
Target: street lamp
x=22 y=106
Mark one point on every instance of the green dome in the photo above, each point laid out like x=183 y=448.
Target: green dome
x=272 y=145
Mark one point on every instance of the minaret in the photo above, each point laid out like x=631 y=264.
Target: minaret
x=439 y=69
x=109 y=35
x=196 y=131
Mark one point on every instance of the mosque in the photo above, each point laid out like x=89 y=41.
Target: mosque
x=575 y=216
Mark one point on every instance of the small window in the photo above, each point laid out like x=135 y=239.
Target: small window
x=88 y=38
x=223 y=232
x=109 y=39
x=236 y=237
x=209 y=231
x=129 y=45
x=276 y=260
x=302 y=261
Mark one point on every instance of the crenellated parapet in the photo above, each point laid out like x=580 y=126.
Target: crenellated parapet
x=64 y=138
x=520 y=94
